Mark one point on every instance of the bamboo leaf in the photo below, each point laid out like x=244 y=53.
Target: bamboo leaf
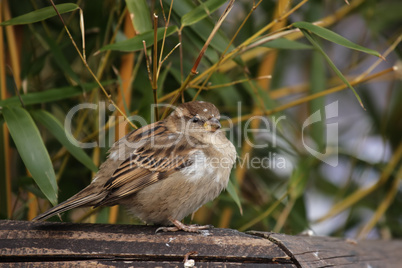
x=57 y=130
x=317 y=84
x=333 y=37
x=283 y=43
x=135 y=43
x=200 y=12
x=331 y=64
x=232 y=192
x=40 y=14
x=140 y=15
x=50 y=95
x=32 y=150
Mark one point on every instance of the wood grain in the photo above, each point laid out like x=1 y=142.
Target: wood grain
x=50 y=244
x=66 y=244
x=319 y=251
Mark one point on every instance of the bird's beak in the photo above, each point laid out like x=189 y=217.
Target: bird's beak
x=212 y=124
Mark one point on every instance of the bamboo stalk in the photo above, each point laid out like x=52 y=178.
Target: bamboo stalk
x=362 y=193
x=382 y=208
x=6 y=207
x=124 y=95
x=314 y=96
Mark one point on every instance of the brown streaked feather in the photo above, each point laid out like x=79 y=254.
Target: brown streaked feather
x=132 y=186
x=143 y=168
x=156 y=128
x=78 y=200
x=124 y=177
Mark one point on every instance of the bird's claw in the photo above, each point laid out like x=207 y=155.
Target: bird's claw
x=178 y=226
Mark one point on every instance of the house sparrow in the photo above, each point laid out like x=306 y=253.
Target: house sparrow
x=164 y=171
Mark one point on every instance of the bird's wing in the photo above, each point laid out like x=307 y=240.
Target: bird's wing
x=149 y=161
x=153 y=161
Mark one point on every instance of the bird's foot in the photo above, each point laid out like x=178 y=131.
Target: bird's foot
x=179 y=226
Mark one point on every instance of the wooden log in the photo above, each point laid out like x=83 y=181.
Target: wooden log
x=47 y=244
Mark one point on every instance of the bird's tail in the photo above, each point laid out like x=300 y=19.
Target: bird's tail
x=78 y=200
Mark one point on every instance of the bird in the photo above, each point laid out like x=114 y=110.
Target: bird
x=163 y=171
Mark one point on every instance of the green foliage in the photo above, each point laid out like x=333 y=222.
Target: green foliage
x=32 y=149
x=141 y=19
x=200 y=12
x=333 y=37
x=50 y=95
x=64 y=137
x=40 y=14
x=283 y=43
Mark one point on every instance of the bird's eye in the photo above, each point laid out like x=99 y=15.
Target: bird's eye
x=195 y=119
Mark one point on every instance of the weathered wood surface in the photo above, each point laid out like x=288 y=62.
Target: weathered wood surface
x=66 y=244
x=46 y=244
x=319 y=251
